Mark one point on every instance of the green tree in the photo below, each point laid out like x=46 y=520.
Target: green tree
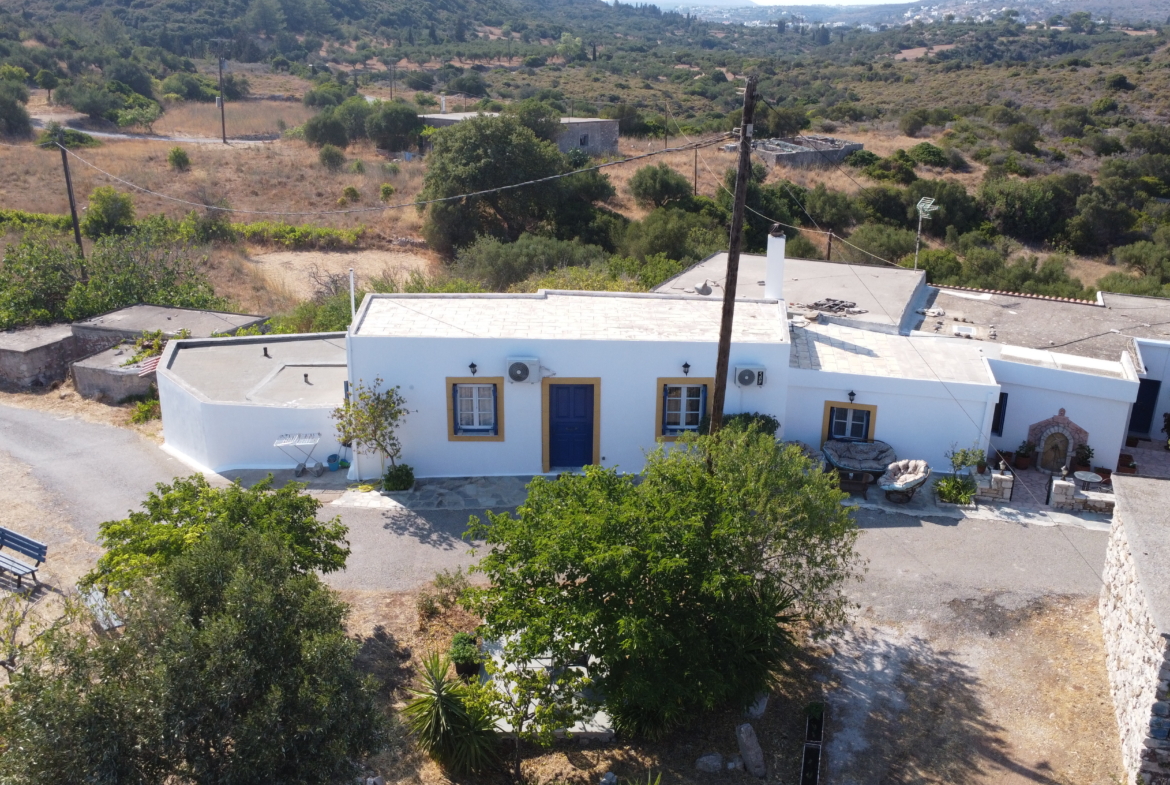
x=13 y=73
x=832 y=209
x=14 y=119
x=394 y=126
x=715 y=550
x=369 y=419
x=325 y=129
x=48 y=81
x=540 y=117
x=783 y=122
x=674 y=233
x=109 y=212
x=354 y=114
x=484 y=153
x=265 y=16
x=1022 y=137
x=176 y=516
x=659 y=185
x=331 y=158
x=233 y=666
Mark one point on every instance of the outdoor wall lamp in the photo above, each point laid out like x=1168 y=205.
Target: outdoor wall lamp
x=852 y=395
x=686 y=369
x=473 y=368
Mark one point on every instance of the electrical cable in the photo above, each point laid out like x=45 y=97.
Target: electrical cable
x=399 y=205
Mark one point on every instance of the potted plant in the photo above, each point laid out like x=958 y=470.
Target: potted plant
x=981 y=465
x=1024 y=455
x=1126 y=465
x=1082 y=458
x=465 y=654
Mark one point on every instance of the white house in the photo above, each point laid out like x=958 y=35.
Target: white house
x=524 y=384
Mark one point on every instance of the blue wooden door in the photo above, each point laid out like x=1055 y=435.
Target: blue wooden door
x=570 y=426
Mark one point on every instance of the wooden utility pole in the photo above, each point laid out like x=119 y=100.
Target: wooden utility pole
x=742 y=175
x=69 y=188
x=696 y=171
x=222 y=102
x=391 y=81
x=829 y=252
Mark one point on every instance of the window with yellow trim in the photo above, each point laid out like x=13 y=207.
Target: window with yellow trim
x=476 y=410
x=846 y=424
x=683 y=407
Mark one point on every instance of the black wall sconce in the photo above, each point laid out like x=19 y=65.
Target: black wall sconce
x=686 y=369
x=852 y=395
x=474 y=368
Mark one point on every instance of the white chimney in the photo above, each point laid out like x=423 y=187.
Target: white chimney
x=774 y=271
x=442 y=104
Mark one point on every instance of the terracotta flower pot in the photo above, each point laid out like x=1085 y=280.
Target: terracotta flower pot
x=1023 y=462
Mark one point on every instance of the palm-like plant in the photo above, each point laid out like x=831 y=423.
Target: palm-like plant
x=459 y=736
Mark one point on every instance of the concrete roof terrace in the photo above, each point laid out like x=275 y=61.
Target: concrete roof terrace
x=836 y=348
x=557 y=315
x=1101 y=330
x=137 y=319
x=889 y=295
x=236 y=370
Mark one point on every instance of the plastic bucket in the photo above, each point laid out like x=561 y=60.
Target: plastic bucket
x=332 y=460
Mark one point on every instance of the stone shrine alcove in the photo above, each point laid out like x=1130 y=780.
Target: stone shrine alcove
x=1056 y=440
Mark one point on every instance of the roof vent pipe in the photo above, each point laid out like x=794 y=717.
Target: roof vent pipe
x=266 y=354
x=774 y=271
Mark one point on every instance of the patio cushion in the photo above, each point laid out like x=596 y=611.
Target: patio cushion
x=903 y=475
x=872 y=457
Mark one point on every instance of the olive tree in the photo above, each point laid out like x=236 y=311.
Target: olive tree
x=684 y=583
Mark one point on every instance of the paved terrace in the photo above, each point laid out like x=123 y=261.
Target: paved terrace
x=888 y=295
x=555 y=315
x=835 y=348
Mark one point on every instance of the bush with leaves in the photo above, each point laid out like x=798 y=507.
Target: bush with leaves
x=331 y=158
x=178 y=515
x=500 y=265
x=927 y=154
x=540 y=117
x=887 y=243
x=399 y=477
x=394 y=125
x=14 y=119
x=178 y=159
x=109 y=212
x=233 y=665
x=676 y=234
x=658 y=186
x=717 y=548
x=369 y=420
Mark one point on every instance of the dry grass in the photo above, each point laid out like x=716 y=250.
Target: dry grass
x=63 y=401
x=292 y=271
x=243 y=118
x=278 y=176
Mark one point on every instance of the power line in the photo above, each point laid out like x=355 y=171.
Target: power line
x=419 y=203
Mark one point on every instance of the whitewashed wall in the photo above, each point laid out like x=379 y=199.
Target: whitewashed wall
x=628 y=371
x=920 y=419
x=1156 y=358
x=1098 y=404
x=222 y=437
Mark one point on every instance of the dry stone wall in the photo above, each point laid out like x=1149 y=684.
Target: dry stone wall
x=1137 y=652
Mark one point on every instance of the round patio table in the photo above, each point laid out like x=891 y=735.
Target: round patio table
x=1087 y=478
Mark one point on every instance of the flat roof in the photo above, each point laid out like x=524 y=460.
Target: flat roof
x=235 y=370
x=867 y=352
x=1059 y=361
x=34 y=337
x=1101 y=330
x=886 y=294
x=558 y=315
x=147 y=318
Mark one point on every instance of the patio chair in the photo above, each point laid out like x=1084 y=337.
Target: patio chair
x=870 y=457
x=903 y=479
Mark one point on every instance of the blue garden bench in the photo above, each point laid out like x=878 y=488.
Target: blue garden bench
x=24 y=546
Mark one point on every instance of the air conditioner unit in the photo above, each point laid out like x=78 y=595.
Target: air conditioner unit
x=749 y=375
x=524 y=370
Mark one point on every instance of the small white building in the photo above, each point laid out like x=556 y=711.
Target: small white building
x=525 y=384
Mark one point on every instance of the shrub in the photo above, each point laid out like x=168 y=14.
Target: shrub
x=14 y=120
x=500 y=265
x=1118 y=82
x=656 y=186
x=929 y=155
x=888 y=243
x=1104 y=145
x=464 y=650
x=325 y=129
x=955 y=490
x=459 y=736
x=764 y=423
x=913 y=121
x=331 y=158
x=178 y=159
x=392 y=169
x=55 y=133
x=399 y=477
x=351 y=194
x=1022 y=137
x=859 y=159
x=357 y=167
x=109 y=212
x=385 y=191
x=145 y=411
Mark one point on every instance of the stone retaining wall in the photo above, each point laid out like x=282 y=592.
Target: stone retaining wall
x=1137 y=640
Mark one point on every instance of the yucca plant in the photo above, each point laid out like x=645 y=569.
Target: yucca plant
x=460 y=737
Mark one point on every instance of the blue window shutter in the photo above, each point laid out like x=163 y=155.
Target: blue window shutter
x=998 y=416
x=703 y=402
x=662 y=425
x=455 y=408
